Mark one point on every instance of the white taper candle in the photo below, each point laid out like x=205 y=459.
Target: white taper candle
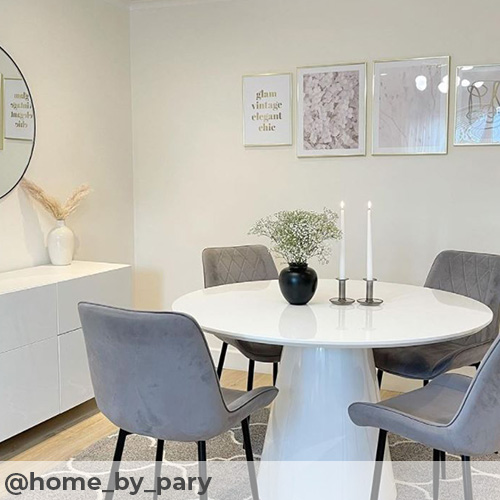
x=369 y=247
x=342 y=244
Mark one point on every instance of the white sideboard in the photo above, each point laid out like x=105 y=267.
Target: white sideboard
x=43 y=362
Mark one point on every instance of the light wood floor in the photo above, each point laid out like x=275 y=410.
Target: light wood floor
x=67 y=435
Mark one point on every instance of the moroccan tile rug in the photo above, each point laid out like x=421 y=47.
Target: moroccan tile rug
x=414 y=482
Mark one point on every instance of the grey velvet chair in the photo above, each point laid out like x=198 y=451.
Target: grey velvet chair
x=239 y=264
x=453 y=413
x=475 y=275
x=153 y=375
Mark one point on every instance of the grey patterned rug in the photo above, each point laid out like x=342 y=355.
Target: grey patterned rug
x=414 y=482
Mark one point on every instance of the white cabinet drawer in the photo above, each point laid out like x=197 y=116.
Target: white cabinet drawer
x=27 y=316
x=29 y=387
x=111 y=288
x=74 y=374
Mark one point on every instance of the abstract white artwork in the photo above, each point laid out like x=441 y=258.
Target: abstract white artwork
x=410 y=106
x=331 y=110
x=267 y=110
x=477 y=119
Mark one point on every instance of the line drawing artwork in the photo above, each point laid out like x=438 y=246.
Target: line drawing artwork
x=478 y=122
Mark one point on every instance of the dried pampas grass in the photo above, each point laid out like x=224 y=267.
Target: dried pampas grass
x=60 y=211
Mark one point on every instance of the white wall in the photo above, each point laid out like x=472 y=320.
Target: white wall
x=196 y=186
x=75 y=57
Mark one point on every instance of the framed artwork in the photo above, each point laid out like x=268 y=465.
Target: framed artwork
x=331 y=110
x=19 y=119
x=477 y=110
x=267 y=110
x=410 y=106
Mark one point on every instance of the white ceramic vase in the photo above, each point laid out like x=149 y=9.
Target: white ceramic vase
x=61 y=244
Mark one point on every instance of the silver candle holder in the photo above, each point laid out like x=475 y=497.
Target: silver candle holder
x=369 y=300
x=342 y=300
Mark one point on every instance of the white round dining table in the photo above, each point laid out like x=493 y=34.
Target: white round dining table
x=327 y=362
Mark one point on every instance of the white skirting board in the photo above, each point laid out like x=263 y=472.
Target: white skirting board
x=236 y=361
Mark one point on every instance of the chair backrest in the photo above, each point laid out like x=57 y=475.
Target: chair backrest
x=476 y=426
x=475 y=275
x=152 y=373
x=226 y=265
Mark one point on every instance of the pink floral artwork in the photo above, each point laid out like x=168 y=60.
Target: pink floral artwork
x=331 y=110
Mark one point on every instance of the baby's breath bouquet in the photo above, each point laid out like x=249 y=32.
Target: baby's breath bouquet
x=298 y=235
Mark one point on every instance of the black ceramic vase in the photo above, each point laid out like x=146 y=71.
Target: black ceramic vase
x=298 y=283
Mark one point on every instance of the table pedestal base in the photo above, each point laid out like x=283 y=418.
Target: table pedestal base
x=309 y=422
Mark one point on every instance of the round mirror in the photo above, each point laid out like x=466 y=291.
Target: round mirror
x=17 y=124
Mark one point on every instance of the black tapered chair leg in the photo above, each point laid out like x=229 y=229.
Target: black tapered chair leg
x=159 y=450
x=436 y=469
x=443 y=465
x=120 y=445
x=275 y=373
x=245 y=427
x=380 y=376
x=467 y=477
x=158 y=463
x=379 y=461
x=115 y=467
x=222 y=359
x=251 y=371
x=202 y=464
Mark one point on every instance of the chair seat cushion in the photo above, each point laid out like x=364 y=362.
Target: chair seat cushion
x=242 y=404
x=421 y=415
x=437 y=403
x=428 y=361
x=263 y=353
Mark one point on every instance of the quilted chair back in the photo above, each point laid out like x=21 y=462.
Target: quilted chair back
x=475 y=275
x=226 y=265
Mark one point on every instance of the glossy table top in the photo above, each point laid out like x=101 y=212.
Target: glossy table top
x=410 y=315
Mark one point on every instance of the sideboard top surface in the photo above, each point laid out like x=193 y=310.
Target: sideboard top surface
x=32 y=277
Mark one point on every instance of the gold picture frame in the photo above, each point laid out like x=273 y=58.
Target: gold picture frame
x=31 y=120
x=285 y=131
x=302 y=152
x=473 y=101
x=376 y=150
